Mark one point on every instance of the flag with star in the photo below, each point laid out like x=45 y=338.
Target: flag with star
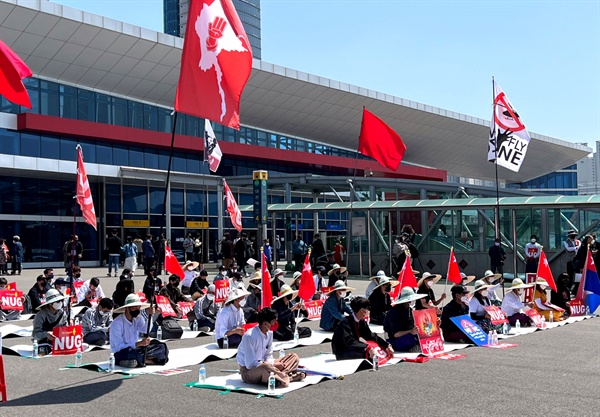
x=172 y=264
x=307 y=283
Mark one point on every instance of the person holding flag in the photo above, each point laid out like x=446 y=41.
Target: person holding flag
x=541 y=303
x=286 y=319
x=425 y=285
x=512 y=306
x=399 y=323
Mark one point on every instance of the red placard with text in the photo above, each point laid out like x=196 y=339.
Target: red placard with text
x=536 y=318
x=577 y=307
x=222 y=288
x=76 y=286
x=165 y=306
x=67 y=340
x=11 y=286
x=384 y=355
x=13 y=300
x=529 y=279
x=314 y=309
x=429 y=332
x=497 y=315
x=186 y=307
x=325 y=292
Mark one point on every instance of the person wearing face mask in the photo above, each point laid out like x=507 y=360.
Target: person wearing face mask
x=173 y=293
x=230 y=319
x=348 y=341
x=199 y=285
x=50 y=315
x=399 y=322
x=497 y=257
x=380 y=299
x=7 y=314
x=478 y=301
x=62 y=285
x=96 y=322
x=37 y=293
x=152 y=284
x=320 y=281
x=425 y=286
x=512 y=306
x=77 y=274
x=334 y=307
x=90 y=292
x=221 y=275
x=124 y=331
x=287 y=313
x=532 y=254
x=374 y=283
x=465 y=279
x=189 y=275
x=236 y=279
x=540 y=301
x=562 y=296
x=252 y=302
x=458 y=306
x=277 y=281
x=205 y=311
x=490 y=279
x=122 y=290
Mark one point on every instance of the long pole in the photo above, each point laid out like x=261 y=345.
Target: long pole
x=497 y=214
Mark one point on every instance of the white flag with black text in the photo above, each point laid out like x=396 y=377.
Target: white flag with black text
x=213 y=151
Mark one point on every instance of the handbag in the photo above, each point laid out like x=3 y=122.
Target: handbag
x=171 y=329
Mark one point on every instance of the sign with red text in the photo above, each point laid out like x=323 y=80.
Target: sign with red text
x=186 y=307
x=529 y=279
x=577 y=307
x=536 y=318
x=314 y=309
x=13 y=300
x=165 y=306
x=554 y=307
x=429 y=332
x=11 y=286
x=68 y=339
x=222 y=288
x=496 y=315
x=76 y=286
x=325 y=292
x=383 y=355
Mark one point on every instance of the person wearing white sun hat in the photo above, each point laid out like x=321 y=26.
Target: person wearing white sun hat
x=512 y=306
x=286 y=315
x=380 y=299
x=50 y=315
x=540 y=301
x=424 y=286
x=334 y=307
x=477 y=304
x=230 y=319
x=374 y=282
x=399 y=322
x=494 y=281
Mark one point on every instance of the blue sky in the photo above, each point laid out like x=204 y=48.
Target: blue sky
x=544 y=54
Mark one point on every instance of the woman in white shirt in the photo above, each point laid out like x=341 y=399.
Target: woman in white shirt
x=476 y=307
x=489 y=277
x=512 y=306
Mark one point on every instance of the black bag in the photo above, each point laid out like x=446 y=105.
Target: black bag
x=171 y=329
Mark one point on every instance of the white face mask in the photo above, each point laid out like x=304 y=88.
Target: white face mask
x=103 y=313
x=58 y=305
x=464 y=299
x=190 y=268
x=413 y=304
x=532 y=240
x=484 y=293
x=342 y=294
x=543 y=287
x=519 y=292
x=224 y=273
x=243 y=302
x=430 y=283
x=210 y=296
x=497 y=243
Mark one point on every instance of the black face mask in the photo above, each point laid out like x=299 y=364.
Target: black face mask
x=289 y=297
x=134 y=313
x=175 y=283
x=77 y=275
x=388 y=289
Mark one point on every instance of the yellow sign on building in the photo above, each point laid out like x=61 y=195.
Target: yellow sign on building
x=196 y=225
x=136 y=223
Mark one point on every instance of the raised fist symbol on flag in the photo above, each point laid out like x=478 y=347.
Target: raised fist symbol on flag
x=215 y=31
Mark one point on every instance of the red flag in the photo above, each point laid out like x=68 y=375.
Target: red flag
x=453 y=270
x=545 y=272
x=307 y=283
x=267 y=294
x=380 y=142
x=84 y=194
x=12 y=72
x=172 y=264
x=232 y=208
x=406 y=278
x=216 y=63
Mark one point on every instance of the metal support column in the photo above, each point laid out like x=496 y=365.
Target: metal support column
x=219 y=209
x=514 y=242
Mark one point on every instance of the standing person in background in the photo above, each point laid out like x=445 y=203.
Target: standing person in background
x=3 y=257
x=113 y=245
x=338 y=253
x=268 y=251
x=571 y=245
x=277 y=245
x=227 y=250
x=149 y=253
x=188 y=247
x=160 y=249
x=497 y=257
x=140 y=249
x=408 y=229
x=198 y=250
x=74 y=252
x=532 y=254
x=240 y=250
x=131 y=255
x=298 y=252
x=17 y=255
x=318 y=250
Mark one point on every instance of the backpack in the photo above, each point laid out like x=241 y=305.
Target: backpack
x=171 y=329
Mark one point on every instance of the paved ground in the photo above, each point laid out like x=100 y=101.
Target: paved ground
x=551 y=373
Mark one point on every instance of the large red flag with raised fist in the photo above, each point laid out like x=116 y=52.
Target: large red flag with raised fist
x=216 y=63
x=380 y=142
x=172 y=264
x=307 y=283
x=453 y=270
x=544 y=271
x=12 y=72
x=84 y=194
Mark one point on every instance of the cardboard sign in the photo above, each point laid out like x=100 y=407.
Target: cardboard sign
x=186 y=307
x=429 y=331
x=68 y=340
x=222 y=288
x=383 y=355
x=577 y=307
x=13 y=300
x=471 y=329
x=314 y=309
x=529 y=279
x=165 y=306
x=76 y=287
x=554 y=307
x=536 y=318
x=497 y=315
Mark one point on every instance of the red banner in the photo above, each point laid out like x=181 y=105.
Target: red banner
x=577 y=307
x=536 y=318
x=142 y=296
x=165 y=306
x=11 y=286
x=314 y=309
x=248 y=326
x=68 y=340
x=13 y=300
x=529 y=279
x=186 y=307
x=222 y=288
x=429 y=331
x=497 y=315
x=384 y=355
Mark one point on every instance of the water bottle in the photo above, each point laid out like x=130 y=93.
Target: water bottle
x=281 y=353
x=495 y=338
x=505 y=328
x=76 y=321
x=195 y=325
x=225 y=342
x=375 y=361
x=159 y=333
x=202 y=374
x=78 y=357
x=551 y=318
x=587 y=310
x=272 y=383
x=490 y=338
x=543 y=321
x=111 y=362
x=36 y=349
x=518 y=325
x=296 y=336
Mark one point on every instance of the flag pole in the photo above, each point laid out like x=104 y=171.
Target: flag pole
x=447 y=274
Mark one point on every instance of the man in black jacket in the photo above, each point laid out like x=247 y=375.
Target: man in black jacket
x=37 y=293
x=458 y=306
x=113 y=247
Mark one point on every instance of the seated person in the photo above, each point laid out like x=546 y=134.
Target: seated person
x=205 y=311
x=562 y=296
x=126 y=274
x=173 y=293
x=458 y=306
x=253 y=302
x=512 y=306
x=189 y=275
x=540 y=301
x=221 y=275
x=236 y=279
x=374 y=282
x=347 y=341
x=199 y=285
x=37 y=293
x=124 y=330
x=230 y=319
x=334 y=307
x=380 y=299
x=494 y=281
x=96 y=322
x=425 y=285
x=476 y=310
x=152 y=284
x=277 y=281
x=295 y=284
x=465 y=279
x=286 y=313
x=77 y=274
x=320 y=281
x=399 y=322
x=255 y=355
x=7 y=314
x=50 y=315
x=90 y=293
x=122 y=290
x=334 y=275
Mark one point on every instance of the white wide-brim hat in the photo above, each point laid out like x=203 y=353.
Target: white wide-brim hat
x=427 y=275
x=481 y=285
x=339 y=285
x=285 y=291
x=386 y=280
x=52 y=296
x=407 y=295
x=517 y=284
x=236 y=293
x=188 y=263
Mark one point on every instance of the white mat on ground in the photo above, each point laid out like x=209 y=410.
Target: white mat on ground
x=14 y=330
x=26 y=351
x=190 y=334
x=316 y=338
x=320 y=364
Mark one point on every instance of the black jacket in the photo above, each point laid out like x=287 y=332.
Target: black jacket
x=345 y=343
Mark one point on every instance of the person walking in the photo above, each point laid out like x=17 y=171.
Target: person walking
x=17 y=256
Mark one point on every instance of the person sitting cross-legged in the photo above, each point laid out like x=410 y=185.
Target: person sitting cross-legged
x=230 y=319
x=96 y=323
x=399 y=322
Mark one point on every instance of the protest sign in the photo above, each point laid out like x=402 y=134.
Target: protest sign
x=429 y=332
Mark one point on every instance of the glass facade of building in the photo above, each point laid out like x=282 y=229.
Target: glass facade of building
x=562 y=182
